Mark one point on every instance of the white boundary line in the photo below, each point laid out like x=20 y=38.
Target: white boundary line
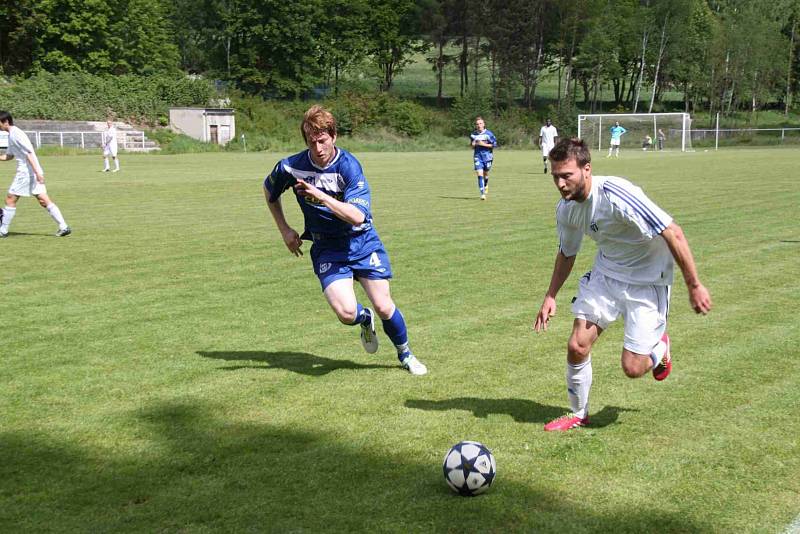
x=794 y=528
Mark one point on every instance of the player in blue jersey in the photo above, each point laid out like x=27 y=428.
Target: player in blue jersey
x=483 y=141
x=617 y=132
x=334 y=197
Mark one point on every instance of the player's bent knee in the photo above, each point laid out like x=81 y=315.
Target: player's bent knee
x=385 y=309
x=345 y=316
x=635 y=366
x=577 y=352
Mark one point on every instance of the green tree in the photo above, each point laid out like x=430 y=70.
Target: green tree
x=343 y=37
x=394 y=36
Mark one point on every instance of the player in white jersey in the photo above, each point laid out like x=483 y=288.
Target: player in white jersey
x=110 y=146
x=547 y=140
x=29 y=180
x=637 y=244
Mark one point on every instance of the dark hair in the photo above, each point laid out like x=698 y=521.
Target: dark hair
x=571 y=148
x=5 y=116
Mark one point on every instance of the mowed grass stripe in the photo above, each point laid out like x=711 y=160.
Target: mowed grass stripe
x=171 y=367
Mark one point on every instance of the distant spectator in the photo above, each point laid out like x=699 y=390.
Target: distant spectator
x=660 y=139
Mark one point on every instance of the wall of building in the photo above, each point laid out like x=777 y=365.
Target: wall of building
x=198 y=122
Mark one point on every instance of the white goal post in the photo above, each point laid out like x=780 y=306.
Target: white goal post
x=675 y=130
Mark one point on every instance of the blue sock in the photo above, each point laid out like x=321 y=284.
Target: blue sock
x=395 y=328
x=480 y=183
x=362 y=315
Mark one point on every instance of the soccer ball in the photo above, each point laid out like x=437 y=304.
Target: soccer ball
x=469 y=468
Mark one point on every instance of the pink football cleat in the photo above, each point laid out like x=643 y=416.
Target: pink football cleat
x=566 y=422
x=662 y=370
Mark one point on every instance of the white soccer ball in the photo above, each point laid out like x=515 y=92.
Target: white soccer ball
x=469 y=468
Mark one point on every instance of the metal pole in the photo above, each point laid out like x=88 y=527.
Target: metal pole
x=600 y=134
x=716 y=134
x=655 y=134
x=61 y=138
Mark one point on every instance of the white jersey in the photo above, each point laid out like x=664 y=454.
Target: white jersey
x=110 y=141
x=626 y=225
x=19 y=146
x=548 y=135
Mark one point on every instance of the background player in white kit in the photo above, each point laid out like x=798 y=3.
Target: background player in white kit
x=637 y=243
x=110 y=146
x=547 y=140
x=29 y=180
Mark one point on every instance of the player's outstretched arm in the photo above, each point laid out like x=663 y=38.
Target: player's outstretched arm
x=699 y=297
x=290 y=237
x=344 y=211
x=561 y=272
x=6 y=157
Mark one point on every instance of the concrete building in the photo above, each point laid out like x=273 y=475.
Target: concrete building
x=211 y=125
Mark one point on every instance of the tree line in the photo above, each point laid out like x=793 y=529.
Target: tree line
x=720 y=55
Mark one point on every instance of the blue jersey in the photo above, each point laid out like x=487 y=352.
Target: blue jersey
x=483 y=153
x=344 y=180
x=617 y=131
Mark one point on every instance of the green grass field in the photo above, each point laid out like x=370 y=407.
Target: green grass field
x=170 y=367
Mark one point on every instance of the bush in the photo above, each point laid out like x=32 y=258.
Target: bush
x=81 y=96
x=174 y=143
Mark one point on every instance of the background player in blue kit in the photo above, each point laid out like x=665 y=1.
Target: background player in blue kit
x=617 y=132
x=334 y=197
x=484 y=142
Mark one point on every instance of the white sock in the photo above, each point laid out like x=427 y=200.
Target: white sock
x=8 y=214
x=658 y=353
x=55 y=213
x=116 y=163
x=105 y=167
x=579 y=382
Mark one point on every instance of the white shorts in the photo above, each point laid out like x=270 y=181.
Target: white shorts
x=615 y=142
x=546 y=150
x=26 y=186
x=110 y=151
x=601 y=300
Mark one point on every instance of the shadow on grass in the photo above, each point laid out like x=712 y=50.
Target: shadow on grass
x=296 y=362
x=460 y=198
x=35 y=234
x=189 y=467
x=523 y=411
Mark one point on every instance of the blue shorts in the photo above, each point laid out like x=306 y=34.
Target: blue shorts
x=375 y=266
x=483 y=164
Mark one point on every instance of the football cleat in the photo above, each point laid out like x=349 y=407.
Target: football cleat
x=369 y=338
x=545 y=170
x=413 y=365
x=64 y=232
x=483 y=197
x=566 y=422
x=3 y=235
x=663 y=369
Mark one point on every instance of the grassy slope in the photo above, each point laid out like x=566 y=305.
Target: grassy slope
x=171 y=367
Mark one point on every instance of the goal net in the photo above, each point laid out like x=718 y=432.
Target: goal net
x=667 y=131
